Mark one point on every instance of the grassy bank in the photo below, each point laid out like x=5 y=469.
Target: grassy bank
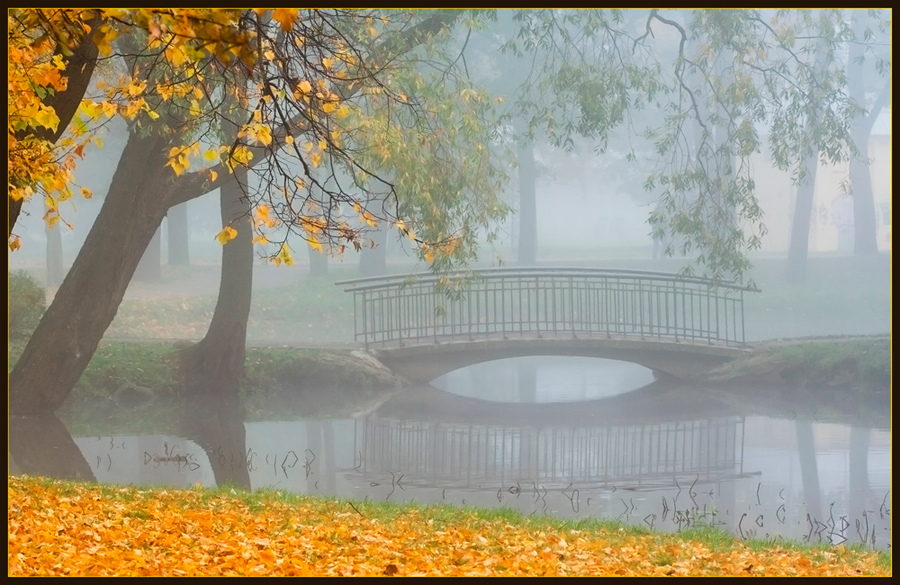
x=847 y=362
x=119 y=530
x=819 y=379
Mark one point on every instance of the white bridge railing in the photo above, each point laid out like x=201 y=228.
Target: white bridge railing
x=551 y=302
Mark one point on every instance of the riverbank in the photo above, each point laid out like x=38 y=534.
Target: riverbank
x=130 y=378
x=71 y=528
x=837 y=361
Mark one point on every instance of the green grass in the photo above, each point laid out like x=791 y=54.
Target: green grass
x=474 y=518
x=308 y=310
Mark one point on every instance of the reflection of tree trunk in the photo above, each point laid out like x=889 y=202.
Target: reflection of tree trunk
x=179 y=247
x=318 y=262
x=55 y=270
x=809 y=470
x=43 y=446
x=799 y=246
x=373 y=260
x=149 y=268
x=858 y=470
x=328 y=469
x=86 y=302
x=216 y=363
x=527 y=206
x=217 y=425
x=316 y=453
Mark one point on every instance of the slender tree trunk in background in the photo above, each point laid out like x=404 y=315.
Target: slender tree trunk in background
x=373 y=260
x=89 y=297
x=798 y=250
x=150 y=267
x=865 y=238
x=55 y=270
x=527 y=206
x=42 y=446
x=215 y=365
x=179 y=250
x=318 y=262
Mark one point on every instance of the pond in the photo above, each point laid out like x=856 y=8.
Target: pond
x=564 y=437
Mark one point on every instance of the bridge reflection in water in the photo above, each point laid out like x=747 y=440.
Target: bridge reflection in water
x=641 y=456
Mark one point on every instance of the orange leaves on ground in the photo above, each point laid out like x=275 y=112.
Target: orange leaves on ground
x=60 y=528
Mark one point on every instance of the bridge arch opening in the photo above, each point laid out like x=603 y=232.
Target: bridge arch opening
x=545 y=379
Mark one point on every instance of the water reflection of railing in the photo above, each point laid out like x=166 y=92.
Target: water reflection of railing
x=634 y=457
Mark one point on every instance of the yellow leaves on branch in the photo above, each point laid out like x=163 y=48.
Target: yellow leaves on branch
x=283 y=257
x=65 y=528
x=285 y=17
x=227 y=234
x=263 y=217
x=241 y=155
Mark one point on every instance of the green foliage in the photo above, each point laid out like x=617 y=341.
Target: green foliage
x=26 y=304
x=709 y=88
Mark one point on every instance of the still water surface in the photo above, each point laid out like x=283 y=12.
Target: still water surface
x=564 y=437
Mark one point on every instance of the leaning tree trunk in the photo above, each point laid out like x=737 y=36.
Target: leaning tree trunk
x=216 y=364
x=89 y=297
x=799 y=245
x=527 y=206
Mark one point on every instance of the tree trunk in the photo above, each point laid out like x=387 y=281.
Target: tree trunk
x=149 y=268
x=89 y=297
x=798 y=250
x=215 y=365
x=318 y=262
x=179 y=250
x=55 y=270
x=799 y=245
x=865 y=238
x=373 y=259
x=527 y=206
x=43 y=446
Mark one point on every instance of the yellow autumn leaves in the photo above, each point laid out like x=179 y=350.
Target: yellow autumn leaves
x=61 y=528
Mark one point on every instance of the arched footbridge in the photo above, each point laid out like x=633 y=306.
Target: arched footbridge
x=424 y=325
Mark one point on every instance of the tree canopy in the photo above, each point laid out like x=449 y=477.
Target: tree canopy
x=323 y=107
